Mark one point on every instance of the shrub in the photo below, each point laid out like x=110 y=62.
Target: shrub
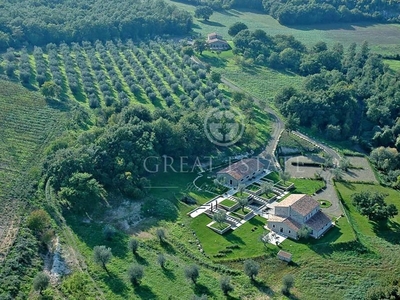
x=133 y=245
x=135 y=274
x=41 y=282
x=192 y=273
x=225 y=284
x=288 y=283
x=251 y=268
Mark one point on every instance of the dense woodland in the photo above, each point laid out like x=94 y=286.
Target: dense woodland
x=322 y=11
x=75 y=21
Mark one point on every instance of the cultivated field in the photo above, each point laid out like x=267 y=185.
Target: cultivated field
x=27 y=123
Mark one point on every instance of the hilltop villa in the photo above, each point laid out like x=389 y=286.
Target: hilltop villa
x=296 y=211
x=216 y=42
x=240 y=172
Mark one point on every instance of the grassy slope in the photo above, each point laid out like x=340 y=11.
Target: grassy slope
x=27 y=124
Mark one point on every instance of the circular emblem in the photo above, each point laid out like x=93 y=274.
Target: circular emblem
x=224 y=126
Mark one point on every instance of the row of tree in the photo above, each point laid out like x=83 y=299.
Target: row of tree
x=75 y=21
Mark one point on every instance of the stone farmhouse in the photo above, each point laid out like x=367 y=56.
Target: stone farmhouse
x=240 y=172
x=296 y=211
x=216 y=42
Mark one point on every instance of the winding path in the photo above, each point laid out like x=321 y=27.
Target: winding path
x=269 y=151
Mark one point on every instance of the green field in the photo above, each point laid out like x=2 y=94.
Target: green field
x=306 y=186
x=27 y=124
x=393 y=64
x=382 y=37
x=388 y=230
x=247 y=239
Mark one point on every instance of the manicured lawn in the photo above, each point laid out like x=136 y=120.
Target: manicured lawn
x=220 y=226
x=390 y=230
x=274 y=176
x=240 y=195
x=253 y=187
x=269 y=195
x=228 y=203
x=241 y=213
x=246 y=236
x=306 y=186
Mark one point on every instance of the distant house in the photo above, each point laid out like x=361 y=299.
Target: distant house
x=216 y=42
x=240 y=172
x=296 y=211
x=285 y=256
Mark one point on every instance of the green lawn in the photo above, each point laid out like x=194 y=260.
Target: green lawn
x=241 y=213
x=228 y=203
x=275 y=177
x=244 y=236
x=220 y=226
x=306 y=186
x=389 y=230
x=253 y=187
x=393 y=64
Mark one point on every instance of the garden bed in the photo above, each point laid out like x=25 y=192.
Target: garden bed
x=325 y=203
x=240 y=213
x=228 y=203
x=253 y=187
x=220 y=228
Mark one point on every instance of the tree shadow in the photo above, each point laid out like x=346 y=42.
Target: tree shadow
x=211 y=23
x=234 y=239
x=263 y=288
x=116 y=284
x=387 y=230
x=348 y=185
x=145 y=292
x=168 y=248
x=201 y=289
x=141 y=260
x=169 y=273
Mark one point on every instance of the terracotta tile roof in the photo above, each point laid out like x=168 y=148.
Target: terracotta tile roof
x=292 y=224
x=318 y=221
x=243 y=168
x=301 y=203
x=284 y=254
x=217 y=40
x=274 y=218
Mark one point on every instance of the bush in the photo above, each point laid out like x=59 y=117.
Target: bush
x=102 y=256
x=41 y=282
x=225 y=284
x=133 y=245
x=161 y=259
x=192 y=273
x=135 y=274
x=38 y=221
x=161 y=235
x=109 y=231
x=288 y=283
x=251 y=268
